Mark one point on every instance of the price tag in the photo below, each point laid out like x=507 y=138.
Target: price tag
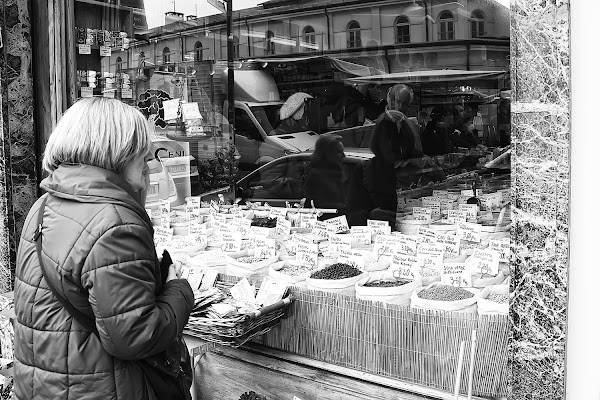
x=190 y=111
x=485 y=262
x=451 y=245
x=109 y=94
x=446 y=205
x=458 y=275
x=431 y=264
x=455 y=216
x=231 y=242
x=429 y=235
x=468 y=231
x=242 y=226
x=165 y=214
x=277 y=212
x=407 y=245
x=307 y=253
x=84 y=48
x=197 y=229
x=405 y=266
x=105 y=51
x=320 y=229
x=453 y=196
x=170 y=109
x=200 y=238
x=470 y=209
x=340 y=223
x=379 y=227
x=307 y=220
x=259 y=231
x=492 y=201
x=353 y=258
x=283 y=227
x=433 y=204
x=162 y=236
x=126 y=93
x=193 y=207
x=426 y=248
x=413 y=202
x=422 y=214
x=440 y=193
x=339 y=241
x=361 y=234
x=385 y=245
x=502 y=247
x=505 y=193
x=264 y=252
x=469 y=192
x=87 y=91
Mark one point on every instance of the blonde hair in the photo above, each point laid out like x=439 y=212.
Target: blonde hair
x=97 y=131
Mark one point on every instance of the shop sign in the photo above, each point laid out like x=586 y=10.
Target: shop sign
x=84 y=48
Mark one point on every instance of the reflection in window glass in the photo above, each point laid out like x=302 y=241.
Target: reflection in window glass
x=477 y=24
x=354 y=39
x=309 y=38
x=198 y=51
x=446 y=25
x=402 y=30
x=269 y=43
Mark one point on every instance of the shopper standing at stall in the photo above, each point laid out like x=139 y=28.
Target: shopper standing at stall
x=97 y=259
x=324 y=183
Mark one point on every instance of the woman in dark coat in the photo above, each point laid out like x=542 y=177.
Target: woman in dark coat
x=324 y=182
x=98 y=251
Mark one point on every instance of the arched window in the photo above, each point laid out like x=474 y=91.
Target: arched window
x=354 y=35
x=166 y=55
x=477 y=24
x=119 y=64
x=309 y=38
x=198 y=51
x=269 y=43
x=236 y=47
x=402 y=29
x=446 y=25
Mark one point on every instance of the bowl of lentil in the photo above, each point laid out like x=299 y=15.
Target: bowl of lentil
x=446 y=298
x=385 y=287
x=335 y=278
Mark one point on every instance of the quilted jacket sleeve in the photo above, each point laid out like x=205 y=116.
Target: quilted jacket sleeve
x=120 y=275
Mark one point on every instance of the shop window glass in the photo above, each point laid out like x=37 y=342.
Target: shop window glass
x=477 y=24
x=402 y=29
x=354 y=39
x=198 y=51
x=269 y=43
x=446 y=21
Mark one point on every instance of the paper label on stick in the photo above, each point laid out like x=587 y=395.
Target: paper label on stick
x=283 y=227
x=307 y=253
x=485 y=262
x=340 y=223
x=502 y=247
x=231 y=242
x=468 y=231
x=458 y=275
x=405 y=266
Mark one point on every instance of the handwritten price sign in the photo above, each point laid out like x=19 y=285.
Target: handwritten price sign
x=422 y=214
x=428 y=235
x=502 y=247
x=432 y=262
x=162 y=236
x=276 y=212
x=307 y=253
x=352 y=258
x=427 y=248
x=264 y=252
x=433 y=204
x=470 y=209
x=379 y=227
x=405 y=266
x=407 y=245
x=283 y=227
x=361 y=234
x=469 y=231
x=485 y=262
x=456 y=216
x=458 y=275
x=340 y=223
x=451 y=245
x=231 y=242
x=385 y=245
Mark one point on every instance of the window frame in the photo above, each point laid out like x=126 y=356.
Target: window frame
x=402 y=21
x=446 y=31
x=309 y=36
x=477 y=22
x=354 y=36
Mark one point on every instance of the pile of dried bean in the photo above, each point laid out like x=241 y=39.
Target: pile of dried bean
x=445 y=293
x=499 y=298
x=398 y=282
x=295 y=269
x=264 y=222
x=249 y=259
x=336 y=271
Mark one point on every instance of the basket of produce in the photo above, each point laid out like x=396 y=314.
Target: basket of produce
x=335 y=278
x=447 y=298
x=385 y=287
x=221 y=318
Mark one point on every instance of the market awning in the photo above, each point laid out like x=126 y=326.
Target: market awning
x=438 y=75
x=341 y=65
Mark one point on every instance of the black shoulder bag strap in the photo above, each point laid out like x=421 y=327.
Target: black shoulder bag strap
x=86 y=320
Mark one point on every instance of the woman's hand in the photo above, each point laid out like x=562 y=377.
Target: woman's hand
x=174 y=272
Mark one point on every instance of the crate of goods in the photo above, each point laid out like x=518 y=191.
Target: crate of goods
x=335 y=278
x=385 y=287
x=446 y=298
x=237 y=326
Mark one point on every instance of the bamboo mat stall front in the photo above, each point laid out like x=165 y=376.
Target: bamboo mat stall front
x=414 y=346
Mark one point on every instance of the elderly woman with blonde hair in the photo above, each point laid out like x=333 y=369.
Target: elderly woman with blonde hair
x=88 y=244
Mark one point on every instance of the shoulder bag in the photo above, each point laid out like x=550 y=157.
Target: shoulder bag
x=169 y=373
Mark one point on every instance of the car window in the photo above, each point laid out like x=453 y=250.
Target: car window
x=244 y=126
x=280 y=179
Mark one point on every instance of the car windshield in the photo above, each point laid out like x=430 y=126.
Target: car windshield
x=267 y=116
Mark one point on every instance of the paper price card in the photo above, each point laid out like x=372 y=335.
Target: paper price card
x=307 y=253
x=353 y=258
x=283 y=227
x=193 y=204
x=405 y=266
x=407 y=244
x=470 y=209
x=105 y=51
x=340 y=223
x=259 y=231
x=242 y=225
x=440 y=193
x=264 y=252
x=505 y=193
x=338 y=242
x=502 y=247
x=463 y=199
x=126 y=93
x=452 y=245
x=431 y=262
x=276 y=212
x=485 y=262
x=422 y=214
x=458 y=275
x=413 y=202
x=453 y=196
x=197 y=229
x=379 y=227
x=446 y=205
x=200 y=238
x=469 y=231
x=162 y=236
x=433 y=204
x=171 y=109
x=320 y=229
x=429 y=235
x=84 y=49
x=455 y=216
x=190 y=111
x=361 y=234
x=469 y=192
x=307 y=220
x=87 y=91
x=426 y=248
x=385 y=245
x=231 y=242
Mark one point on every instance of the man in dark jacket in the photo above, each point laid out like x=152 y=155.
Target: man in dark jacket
x=98 y=250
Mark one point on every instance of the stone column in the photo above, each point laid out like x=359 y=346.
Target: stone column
x=540 y=196
x=18 y=180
